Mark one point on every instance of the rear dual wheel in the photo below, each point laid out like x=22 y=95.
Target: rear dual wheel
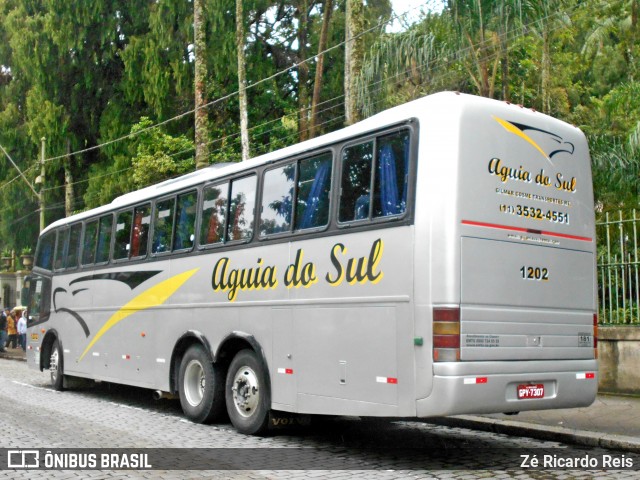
x=201 y=386
x=246 y=393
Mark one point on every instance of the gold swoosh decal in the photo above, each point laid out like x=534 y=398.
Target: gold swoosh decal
x=516 y=131
x=151 y=297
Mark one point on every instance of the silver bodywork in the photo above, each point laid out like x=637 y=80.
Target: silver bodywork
x=364 y=348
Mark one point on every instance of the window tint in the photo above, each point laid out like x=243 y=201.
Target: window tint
x=214 y=209
x=71 y=260
x=63 y=240
x=122 y=246
x=163 y=226
x=104 y=239
x=277 y=200
x=387 y=172
x=140 y=232
x=185 y=221
x=392 y=176
x=241 y=209
x=314 y=184
x=44 y=252
x=356 y=182
x=89 y=244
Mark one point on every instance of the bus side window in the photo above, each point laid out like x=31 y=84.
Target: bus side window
x=314 y=185
x=71 y=260
x=63 y=241
x=392 y=165
x=356 y=182
x=241 y=209
x=89 y=244
x=163 y=226
x=277 y=200
x=44 y=253
x=122 y=243
x=214 y=211
x=184 y=237
x=104 y=239
x=140 y=231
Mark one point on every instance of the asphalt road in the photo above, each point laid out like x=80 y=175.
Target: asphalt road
x=32 y=416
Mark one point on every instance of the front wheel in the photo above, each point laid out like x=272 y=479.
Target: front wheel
x=56 y=366
x=246 y=394
x=201 y=386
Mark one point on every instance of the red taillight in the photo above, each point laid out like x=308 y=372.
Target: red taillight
x=446 y=334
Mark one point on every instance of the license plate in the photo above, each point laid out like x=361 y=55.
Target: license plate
x=530 y=391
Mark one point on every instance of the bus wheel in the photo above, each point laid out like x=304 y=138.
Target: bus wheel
x=56 y=366
x=246 y=394
x=201 y=386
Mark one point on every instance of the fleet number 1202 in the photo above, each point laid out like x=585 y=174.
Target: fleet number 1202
x=535 y=273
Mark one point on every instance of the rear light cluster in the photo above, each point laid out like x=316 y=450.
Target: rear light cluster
x=595 y=335
x=446 y=334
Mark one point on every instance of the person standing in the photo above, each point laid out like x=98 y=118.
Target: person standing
x=12 y=332
x=22 y=331
x=3 y=331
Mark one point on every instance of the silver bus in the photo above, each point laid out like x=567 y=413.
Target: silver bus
x=435 y=259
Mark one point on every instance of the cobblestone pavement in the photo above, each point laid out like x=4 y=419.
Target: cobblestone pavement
x=107 y=416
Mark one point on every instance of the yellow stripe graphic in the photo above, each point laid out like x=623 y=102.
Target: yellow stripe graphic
x=516 y=131
x=151 y=297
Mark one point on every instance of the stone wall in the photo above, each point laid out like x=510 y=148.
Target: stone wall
x=619 y=359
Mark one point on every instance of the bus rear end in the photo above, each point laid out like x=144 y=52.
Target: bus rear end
x=513 y=323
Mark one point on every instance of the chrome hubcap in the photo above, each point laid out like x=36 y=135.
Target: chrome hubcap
x=246 y=391
x=53 y=365
x=194 y=383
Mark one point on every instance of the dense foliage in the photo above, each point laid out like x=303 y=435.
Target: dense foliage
x=111 y=84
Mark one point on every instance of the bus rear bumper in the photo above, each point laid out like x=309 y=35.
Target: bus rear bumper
x=473 y=388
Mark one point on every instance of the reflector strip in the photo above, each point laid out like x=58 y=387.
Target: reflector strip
x=387 y=380
x=286 y=371
x=475 y=380
x=526 y=230
x=126 y=357
x=587 y=375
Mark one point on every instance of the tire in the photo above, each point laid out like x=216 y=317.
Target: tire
x=247 y=393
x=201 y=386
x=56 y=366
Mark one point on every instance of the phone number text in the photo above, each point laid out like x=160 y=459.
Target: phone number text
x=535 y=213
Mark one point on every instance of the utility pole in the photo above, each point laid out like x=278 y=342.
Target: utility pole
x=41 y=182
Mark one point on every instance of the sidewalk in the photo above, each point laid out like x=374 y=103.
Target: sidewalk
x=611 y=421
x=14 y=354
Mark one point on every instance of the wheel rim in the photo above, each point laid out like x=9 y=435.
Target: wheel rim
x=194 y=383
x=53 y=364
x=246 y=391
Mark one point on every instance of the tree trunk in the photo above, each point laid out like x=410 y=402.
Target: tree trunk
x=68 y=183
x=201 y=117
x=546 y=71
x=303 y=71
x=242 y=82
x=317 y=84
x=354 y=51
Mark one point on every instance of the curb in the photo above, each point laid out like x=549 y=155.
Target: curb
x=15 y=357
x=541 y=432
